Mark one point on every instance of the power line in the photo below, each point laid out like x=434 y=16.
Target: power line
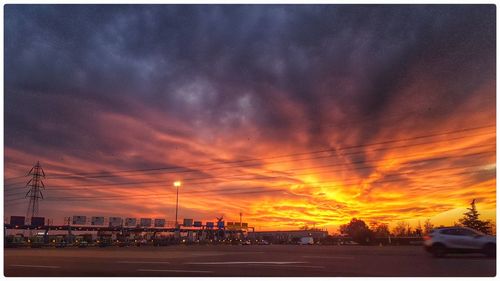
x=237 y=176
x=417 y=161
x=106 y=174
x=344 y=180
x=367 y=118
x=164 y=195
x=286 y=161
x=234 y=190
x=65 y=187
x=313 y=152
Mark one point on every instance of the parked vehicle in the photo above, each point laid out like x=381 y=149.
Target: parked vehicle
x=122 y=243
x=156 y=242
x=246 y=242
x=143 y=242
x=263 y=242
x=60 y=244
x=35 y=242
x=306 y=241
x=81 y=244
x=15 y=241
x=442 y=241
x=103 y=242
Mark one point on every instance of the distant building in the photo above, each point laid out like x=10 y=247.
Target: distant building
x=290 y=236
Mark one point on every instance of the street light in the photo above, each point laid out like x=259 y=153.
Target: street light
x=177 y=184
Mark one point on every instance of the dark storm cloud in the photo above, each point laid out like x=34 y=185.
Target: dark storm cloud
x=219 y=65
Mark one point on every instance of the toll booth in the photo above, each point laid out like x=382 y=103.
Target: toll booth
x=15 y=241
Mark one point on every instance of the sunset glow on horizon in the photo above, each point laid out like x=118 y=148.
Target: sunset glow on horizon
x=292 y=115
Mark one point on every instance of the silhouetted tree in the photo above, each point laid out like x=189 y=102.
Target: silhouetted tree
x=409 y=231
x=401 y=229
x=471 y=219
x=358 y=231
x=418 y=229
x=380 y=230
x=428 y=226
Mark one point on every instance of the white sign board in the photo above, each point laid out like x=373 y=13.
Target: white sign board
x=159 y=222
x=115 y=221
x=79 y=220
x=146 y=222
x=97 y=221
x=131 y=222
x=188 y=222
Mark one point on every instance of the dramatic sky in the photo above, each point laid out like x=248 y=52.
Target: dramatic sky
x=292 y=114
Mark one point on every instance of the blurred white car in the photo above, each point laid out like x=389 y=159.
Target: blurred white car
x=306 y=241
x=441 y=241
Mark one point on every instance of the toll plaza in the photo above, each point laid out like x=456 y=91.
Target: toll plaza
x=80 y=231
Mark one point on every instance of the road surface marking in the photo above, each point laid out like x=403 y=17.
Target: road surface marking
x=321 y=257
x=176 y=270
x=233 y=253
x=301 y=266
x=142 y=262
x=248 y=262
x=40 y=266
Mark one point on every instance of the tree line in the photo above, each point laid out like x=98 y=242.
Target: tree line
x=363 y=233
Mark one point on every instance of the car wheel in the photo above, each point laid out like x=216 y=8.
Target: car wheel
x=439 y=250
x=490 y=250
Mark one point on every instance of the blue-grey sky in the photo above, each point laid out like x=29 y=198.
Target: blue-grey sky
x=93 y=88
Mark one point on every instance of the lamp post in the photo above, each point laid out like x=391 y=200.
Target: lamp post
x=177 y=184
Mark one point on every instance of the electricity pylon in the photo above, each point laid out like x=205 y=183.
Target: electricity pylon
x=35 y=186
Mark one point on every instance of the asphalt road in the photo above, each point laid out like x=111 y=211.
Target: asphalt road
x=265 y=260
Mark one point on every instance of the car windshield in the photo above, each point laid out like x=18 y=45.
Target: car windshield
x=477 y=232
x=461 y=231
